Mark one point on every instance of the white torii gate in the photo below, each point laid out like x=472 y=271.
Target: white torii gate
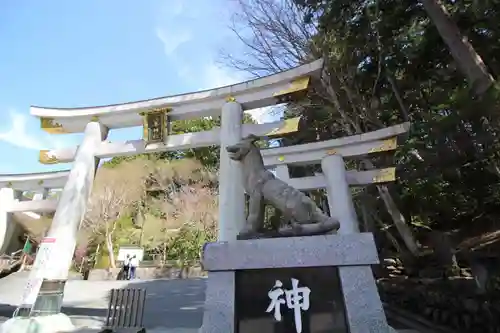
x=12 y=187
x=228 y=102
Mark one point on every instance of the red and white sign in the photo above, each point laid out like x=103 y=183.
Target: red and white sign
x=39 y=271
x=49 y=240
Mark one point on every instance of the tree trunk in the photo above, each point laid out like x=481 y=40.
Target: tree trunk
x=399 y=220
x=389 y=235
x=444 y=252
x=397 y=94
x=368 y=225
x=367 y=210
x=351 y=128
x=469 y=62
x=478 y=269
x=111 y=253
x=165 y=249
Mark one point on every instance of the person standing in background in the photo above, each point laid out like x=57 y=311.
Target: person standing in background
x=126 y=267
x=134 y=262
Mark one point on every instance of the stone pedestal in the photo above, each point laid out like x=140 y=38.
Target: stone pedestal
x=6 y=225
x=342 y=296
x=43 y=324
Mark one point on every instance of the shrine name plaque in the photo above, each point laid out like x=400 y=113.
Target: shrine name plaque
x=314 y=284
x=289 y=300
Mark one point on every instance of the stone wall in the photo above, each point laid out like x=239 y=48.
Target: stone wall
x=451 y=303
x=148 y=273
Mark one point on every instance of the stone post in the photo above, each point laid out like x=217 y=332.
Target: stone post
x=8 y=236
x=6 y=199
x=358 y=284
x=339 y=194
x=283 y=173
x=231 y=192
x=18 y=195
x=55 y=254
x=41 y=195
x=38 y=196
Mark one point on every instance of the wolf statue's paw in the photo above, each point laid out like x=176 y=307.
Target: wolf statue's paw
x=333 y=223
x=247 y=229
x=247 y=233
x=296 y=227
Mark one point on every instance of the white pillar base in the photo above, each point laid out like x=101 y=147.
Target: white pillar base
x=43 y=324
x=6 y=225
x=339 y=194
x=231 y=192
x=54 y=257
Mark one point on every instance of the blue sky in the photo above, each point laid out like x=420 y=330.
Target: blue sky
x=94 y=52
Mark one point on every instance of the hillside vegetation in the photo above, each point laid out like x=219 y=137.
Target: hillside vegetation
x=169 y=207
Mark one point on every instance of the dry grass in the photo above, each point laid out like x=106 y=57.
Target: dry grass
x=193 y=206
x=164 y=173
x=115 y=192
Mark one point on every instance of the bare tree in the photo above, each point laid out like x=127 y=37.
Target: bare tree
x=182 y=199
x=166 y=175
x=114 y=194
x=275 y=37
x=190 y=209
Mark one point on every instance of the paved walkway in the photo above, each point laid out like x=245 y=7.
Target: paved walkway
x=171 y=305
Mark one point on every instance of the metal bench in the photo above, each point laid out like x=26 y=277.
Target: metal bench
x=126 y=309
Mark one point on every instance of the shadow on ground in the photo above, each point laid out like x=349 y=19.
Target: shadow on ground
x=170 y=304
x=173 y=303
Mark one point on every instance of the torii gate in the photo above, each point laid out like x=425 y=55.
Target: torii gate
x=154 y=115
x=12 y=201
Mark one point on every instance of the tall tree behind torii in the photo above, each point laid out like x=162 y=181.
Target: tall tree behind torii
x=276 y=36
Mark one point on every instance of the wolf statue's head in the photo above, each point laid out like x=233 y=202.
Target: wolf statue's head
x=238 y=151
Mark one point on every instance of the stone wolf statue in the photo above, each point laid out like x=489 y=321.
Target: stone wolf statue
x=262 y=186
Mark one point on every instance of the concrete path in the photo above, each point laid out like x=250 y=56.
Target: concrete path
x=171 y=305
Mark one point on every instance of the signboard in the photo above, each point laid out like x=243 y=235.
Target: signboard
x=155 y=125
x=131 y=251
x=27 y=246
x=291 y=300
x=38 y=271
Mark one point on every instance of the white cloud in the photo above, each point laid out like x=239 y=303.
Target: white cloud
x=172 y=30
x=185 y=23
x=18 y=135
x=176 y=7
x=172 y=40
x=214 y=76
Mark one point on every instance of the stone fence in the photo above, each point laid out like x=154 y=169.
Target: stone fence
x=149 y=273
x=451 y=303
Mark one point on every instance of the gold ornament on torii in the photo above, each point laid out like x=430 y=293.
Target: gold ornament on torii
x=154 y=124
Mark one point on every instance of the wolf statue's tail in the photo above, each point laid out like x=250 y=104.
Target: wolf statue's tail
x=327 y=225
